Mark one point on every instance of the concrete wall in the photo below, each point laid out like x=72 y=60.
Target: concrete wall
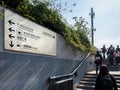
x=24 y=71
x=28 y=72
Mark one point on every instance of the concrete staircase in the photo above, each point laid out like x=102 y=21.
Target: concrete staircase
x=88 y=81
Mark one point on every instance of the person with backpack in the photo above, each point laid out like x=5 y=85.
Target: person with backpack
x=98 y=60
x=105 y=81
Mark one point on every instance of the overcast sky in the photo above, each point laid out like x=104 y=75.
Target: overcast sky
x=106 y=21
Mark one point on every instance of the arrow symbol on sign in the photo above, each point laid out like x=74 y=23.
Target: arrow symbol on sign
x=10 y=22
x=10 y=35
x=11 y=44
x=10 y=29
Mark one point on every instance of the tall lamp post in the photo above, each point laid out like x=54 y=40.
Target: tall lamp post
x=92 y=14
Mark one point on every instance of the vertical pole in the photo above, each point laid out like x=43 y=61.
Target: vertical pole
x=92 y=26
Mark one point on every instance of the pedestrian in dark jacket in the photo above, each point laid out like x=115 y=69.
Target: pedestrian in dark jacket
x=98 y=61
x=110 y=53
x=104 y=51
x=105 y=81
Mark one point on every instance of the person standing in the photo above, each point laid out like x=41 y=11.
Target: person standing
x=104 y=80
x=98 y=61
x=118 y=49
x=117 y=57
x=103 y=51
x=110 y=53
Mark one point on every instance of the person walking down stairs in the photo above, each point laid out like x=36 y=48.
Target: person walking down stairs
x=105 y=81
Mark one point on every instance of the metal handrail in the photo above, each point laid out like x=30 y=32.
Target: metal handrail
x=74 y=72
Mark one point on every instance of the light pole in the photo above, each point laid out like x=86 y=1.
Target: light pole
x=92 y=14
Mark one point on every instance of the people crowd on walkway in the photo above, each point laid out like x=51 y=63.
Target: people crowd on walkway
x=112 y=54
x=104 y=80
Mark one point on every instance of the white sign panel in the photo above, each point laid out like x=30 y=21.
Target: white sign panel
x=26 y=36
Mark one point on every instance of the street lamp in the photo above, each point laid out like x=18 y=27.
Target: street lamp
x=92 y=14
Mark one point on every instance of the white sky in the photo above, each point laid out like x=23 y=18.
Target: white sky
x=106 y=21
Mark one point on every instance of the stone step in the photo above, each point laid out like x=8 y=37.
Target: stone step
x=84 y=83
x=90 y=87
x=87 y=87
x=83 y=89
x=88 y=81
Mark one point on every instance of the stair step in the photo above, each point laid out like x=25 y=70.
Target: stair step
x=86 y=86
x=83 y=89
x=118 y=81
x=117 y=77
x=87 y=83
x=90 y=76
x=89 y=80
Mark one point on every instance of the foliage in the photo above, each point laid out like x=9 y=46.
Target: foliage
x=12 y=3
x=77 y=35
x=47 y=14
x=1 y=15
x=40 y=13
x=61 y=7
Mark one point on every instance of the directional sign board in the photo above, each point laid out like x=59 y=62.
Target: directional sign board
x=23 y=35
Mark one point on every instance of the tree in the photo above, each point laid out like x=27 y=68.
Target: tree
x=12 y=3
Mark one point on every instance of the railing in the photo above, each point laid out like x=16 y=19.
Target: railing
x=52 y=80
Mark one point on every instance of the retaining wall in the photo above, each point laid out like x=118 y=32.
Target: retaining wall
x=25 y=71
